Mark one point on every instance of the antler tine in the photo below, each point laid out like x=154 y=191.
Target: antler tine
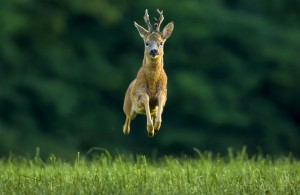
x=147 y=20
x=160 y=20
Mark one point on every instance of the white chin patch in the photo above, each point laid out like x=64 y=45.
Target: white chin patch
x=153 y=56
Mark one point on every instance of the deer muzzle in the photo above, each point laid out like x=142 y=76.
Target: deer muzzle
x=153 y=52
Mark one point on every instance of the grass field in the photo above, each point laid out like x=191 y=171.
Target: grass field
x=104 y=174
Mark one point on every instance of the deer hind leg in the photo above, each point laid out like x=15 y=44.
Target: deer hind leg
x=127 y=107
x=144 y=99
x=129 y=118
x=126 y=127
x=161 y=103
x=153 y=115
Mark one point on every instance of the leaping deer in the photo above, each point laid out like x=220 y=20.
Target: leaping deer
x=147 y=94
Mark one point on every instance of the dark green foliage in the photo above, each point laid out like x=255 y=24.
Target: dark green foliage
x=233 y=69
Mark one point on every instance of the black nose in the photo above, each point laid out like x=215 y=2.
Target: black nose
x=153 y=52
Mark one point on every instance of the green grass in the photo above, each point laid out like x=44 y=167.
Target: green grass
x=104 y=174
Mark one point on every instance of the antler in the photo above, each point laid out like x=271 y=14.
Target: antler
x=160 y=20
x=147 y=20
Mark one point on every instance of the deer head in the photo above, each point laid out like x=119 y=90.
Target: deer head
x=154 y=39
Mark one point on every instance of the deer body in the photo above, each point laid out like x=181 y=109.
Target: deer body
x=147 y=94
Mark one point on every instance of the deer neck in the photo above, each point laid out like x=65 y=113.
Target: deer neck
x=153 y=69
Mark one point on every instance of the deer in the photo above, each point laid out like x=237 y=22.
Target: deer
x=147 y=93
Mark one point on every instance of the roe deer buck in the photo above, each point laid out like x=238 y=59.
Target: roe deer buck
x=147 y=94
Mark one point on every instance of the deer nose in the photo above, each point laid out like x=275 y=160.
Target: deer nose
x=153 y=52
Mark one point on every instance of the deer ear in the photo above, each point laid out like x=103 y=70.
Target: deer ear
x=166 y=33
x=141 y=30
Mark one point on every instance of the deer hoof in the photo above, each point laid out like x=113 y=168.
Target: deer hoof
x=150 y=130
x=150 y=134
x=126 y=131
x=157 y=126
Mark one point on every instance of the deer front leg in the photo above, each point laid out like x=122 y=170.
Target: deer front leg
x=161 y=103
x=144 y=99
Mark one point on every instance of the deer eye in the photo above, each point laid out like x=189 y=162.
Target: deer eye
x=161 y=43
x=147 y=44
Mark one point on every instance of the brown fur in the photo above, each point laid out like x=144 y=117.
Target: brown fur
x=147 y=94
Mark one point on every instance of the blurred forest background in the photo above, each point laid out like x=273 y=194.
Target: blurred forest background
x=233 y=71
